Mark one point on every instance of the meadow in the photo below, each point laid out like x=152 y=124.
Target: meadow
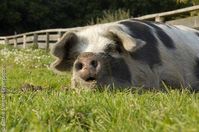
x=58 y=108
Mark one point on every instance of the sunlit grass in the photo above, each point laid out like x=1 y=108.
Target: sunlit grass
x=56 y=109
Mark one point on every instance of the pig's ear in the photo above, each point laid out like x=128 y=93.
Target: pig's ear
x=64 y=51
x=129 y=43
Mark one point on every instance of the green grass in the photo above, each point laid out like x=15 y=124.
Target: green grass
x=55 y=109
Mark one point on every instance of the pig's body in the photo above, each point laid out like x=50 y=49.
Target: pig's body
x=130 y=53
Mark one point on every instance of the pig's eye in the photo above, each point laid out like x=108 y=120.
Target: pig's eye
x=113 y=48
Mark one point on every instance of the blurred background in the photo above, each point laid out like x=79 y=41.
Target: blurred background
x=18 y=16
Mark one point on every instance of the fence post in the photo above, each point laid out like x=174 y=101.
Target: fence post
x=59 y=36
x=24 y=41
x=159 y=19
x=15 y=42
x=35 y=40
x=6 y=41
x=47 y=41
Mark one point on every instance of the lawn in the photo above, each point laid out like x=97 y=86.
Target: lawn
x=59 y=108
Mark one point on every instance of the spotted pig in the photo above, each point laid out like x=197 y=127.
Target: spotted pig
x=130 y=53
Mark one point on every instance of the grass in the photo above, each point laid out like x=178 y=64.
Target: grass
x=55 y=109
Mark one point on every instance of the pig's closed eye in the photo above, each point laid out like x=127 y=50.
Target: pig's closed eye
x=113 y=48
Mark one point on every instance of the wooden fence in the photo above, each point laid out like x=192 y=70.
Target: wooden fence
x=42 y=38
x=46 y=38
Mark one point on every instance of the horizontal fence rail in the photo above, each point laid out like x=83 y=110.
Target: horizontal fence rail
x=160 y=16
x=47 y=38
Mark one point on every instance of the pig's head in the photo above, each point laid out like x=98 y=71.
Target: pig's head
x=96 y=55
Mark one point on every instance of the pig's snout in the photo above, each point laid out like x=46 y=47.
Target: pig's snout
x=87 y=67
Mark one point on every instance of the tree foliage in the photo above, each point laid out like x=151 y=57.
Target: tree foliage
x=28 y=15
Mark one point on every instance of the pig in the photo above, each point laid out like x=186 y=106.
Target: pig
x=130 y=53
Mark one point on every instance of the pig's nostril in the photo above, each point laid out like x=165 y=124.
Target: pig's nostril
x=94 y=63
x=79 y=66
x=90 y=79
